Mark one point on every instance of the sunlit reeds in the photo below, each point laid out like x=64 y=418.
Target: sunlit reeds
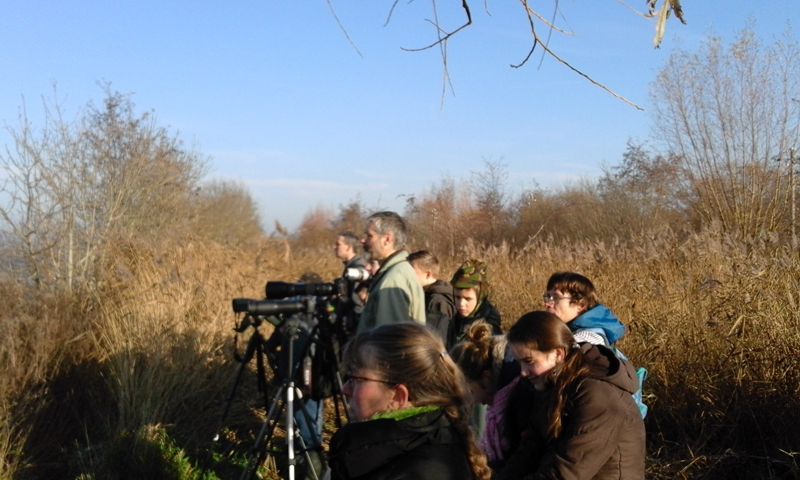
x=714 y=320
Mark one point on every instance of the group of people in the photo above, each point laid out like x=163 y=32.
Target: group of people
x=425 y=353
x=406 y=286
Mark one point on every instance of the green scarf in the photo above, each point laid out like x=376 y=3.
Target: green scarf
x=404 y=413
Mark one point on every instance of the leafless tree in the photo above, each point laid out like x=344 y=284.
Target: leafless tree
x=315 y=229
x=491 y=197
x=439 y=216
x=225 y=212
x=728 y=113
x=73 y=185
x=31 y=211
x=352 y=216
x=642 y=192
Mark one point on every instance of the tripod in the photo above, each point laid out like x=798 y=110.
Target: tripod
x=289 y=399
x=255 y=348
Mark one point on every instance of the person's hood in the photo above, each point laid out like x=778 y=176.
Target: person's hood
x=599 y=317
x=441 y=287
x=606 y=366
x=386 y=439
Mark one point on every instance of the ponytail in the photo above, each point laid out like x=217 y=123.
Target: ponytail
x=458 y=412
x=413 y=355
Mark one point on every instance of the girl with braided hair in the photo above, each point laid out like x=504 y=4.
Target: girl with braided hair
x=584 y=423
x=408 y=409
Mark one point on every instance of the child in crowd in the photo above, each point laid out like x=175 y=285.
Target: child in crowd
x=440 y=303
x=493 y=377
x=584 y=423
x=472 y=288
x=573 y=298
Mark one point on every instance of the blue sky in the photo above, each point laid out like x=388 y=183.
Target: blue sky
x=278 y=97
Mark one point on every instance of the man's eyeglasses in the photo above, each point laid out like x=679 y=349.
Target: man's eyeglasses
x=550 y=298
x=354 y=379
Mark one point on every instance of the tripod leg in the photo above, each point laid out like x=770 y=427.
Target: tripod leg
x=253 y=346
x=288 y=389
x=313 y=460
x=308 y=417
x=263 y=440
x=338 y=397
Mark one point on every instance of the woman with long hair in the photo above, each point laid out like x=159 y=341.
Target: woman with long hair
x=408 y=409
x=584 y=424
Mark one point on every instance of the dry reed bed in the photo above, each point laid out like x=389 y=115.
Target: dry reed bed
x=714 y=320
x=148 y=343
x=167 y=329
x=41 y=332
x=716 y=323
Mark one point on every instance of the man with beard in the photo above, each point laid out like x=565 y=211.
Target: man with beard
x=395 y=294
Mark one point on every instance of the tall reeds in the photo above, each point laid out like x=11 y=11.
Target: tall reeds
x=149 y=346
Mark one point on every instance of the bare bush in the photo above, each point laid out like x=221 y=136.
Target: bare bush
x=639 y=194
x=728 y=112
x=226 y=212
x=438 y=217
x=73 y=185
x=453 y=211
x=571 y=212
x=316 y=230
x=352 y=217
x=643 y=192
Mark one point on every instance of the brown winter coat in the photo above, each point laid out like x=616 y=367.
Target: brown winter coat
x=603 y=435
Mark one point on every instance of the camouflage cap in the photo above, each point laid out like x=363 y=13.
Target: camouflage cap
x=471 y=274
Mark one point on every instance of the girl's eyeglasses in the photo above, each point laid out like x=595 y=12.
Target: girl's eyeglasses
x=349 y=377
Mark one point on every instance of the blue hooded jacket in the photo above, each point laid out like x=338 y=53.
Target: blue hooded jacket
x=599 y=319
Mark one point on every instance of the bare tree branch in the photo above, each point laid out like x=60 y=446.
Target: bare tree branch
x=536 y=41
x=391 y=12
x=443 y=35
x=637 y=12
x=549 y=34
x=465 y=6
x=344 y=30
x=531 y=12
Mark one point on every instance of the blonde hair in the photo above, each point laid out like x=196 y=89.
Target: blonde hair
x=413 y=355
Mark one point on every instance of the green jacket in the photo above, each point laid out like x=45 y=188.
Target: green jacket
x=395 y=295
